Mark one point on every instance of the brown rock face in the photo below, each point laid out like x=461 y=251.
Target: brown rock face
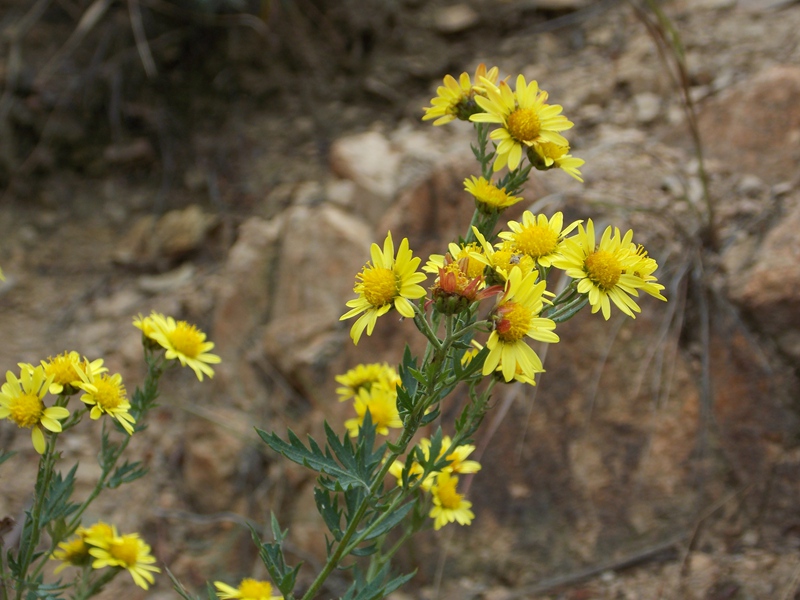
x=755 y=126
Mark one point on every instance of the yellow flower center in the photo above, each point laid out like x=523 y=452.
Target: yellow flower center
x=523 y=124
x=252 y=588
x=26 y=410
x=515 y=321
x=448 y=497
x=378 y=285
x=536 y=241
x=474 y=268
x=491 y=195
x=125 y=549
x=62 y=368
x=603 y=269
x=73 y=550
x=109 y=394
x=506 y=257
x=186 y=339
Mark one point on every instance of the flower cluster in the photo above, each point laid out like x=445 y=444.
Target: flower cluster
x=101 y=546
x=373 y=387
x=181 y=340
x=448 y=505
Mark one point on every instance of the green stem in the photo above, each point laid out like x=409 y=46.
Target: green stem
x=566 y=312
x=33 y=526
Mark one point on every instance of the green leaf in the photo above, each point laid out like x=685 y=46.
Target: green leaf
x=328 y=507
x=4 y=455
x=57 y=500
x=375 y=589
x=125 y=474
x=398 y=515
x=365 y=551
x=271 y=555
x=312 y=458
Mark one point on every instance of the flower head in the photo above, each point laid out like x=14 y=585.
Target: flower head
x=21 y=402
x=524 y=118
x=106 y=394
x=127 y=552
x=384 y=283
x=502 y=259
x=249 y=589
x=516 y=316
x=448 y=505
x=75 y=551
x=365 y=376
x=605 y=272
x=537 y=236
x=182 y=341
x=381 y=402
x=548 y=155
x=488 y=197
x=454 y=291
x=645 y=267
x=66 y=368
x=456 y=99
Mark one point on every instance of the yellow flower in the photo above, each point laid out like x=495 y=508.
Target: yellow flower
x=381 y=403
x=498 y=372
x=456 y=99
x=127 y=552
x=547 y=155
x=21 y=402
x=488 y=197
x=537 y=237
x=73 y=552
x=516 y=316
x=66 y=368
x=644 y=268
x=249 y=589
x=524 y=119
x=604 y=271
x=457 y=252
x=106 y=394
x=364 y=376
x=385 y=283
x=502 y=259
x=181 y=340
x=448 y=505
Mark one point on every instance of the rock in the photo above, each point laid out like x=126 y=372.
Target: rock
x=369 y=160
x=160 y=243
x=748 y=123
x=455 y=19
x=209 y=465
x=770 y=289
x=648 y=107
x=165 y=282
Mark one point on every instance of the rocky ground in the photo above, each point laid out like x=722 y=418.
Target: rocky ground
x=655 y=459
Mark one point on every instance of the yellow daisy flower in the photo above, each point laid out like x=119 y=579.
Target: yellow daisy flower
x=537 y=237
x=515 y=317
x=66 y=368
x=381 y=403
x=249 y=589
x=73 y=552
x=488 y=197
x=21 y=402
x=127 y=552
x=181 y=340
x=448 y=505
x=456 y=99
x=457 y=252
x=415 y=472
x=644 y=268
x=547 y=155
x=603 y=270
x=106 y=394
x=385 y=283
x=524 y=119
x=458 y=457
x=364 y=376
x=502 y=259
x=498 y=372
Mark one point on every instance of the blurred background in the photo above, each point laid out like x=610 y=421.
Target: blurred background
x=229 y=162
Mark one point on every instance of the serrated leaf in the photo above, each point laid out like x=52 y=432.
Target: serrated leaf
x=126 y=473
x=398 y=515
x=367 y=551
x=312 y=457
x=328 y=507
